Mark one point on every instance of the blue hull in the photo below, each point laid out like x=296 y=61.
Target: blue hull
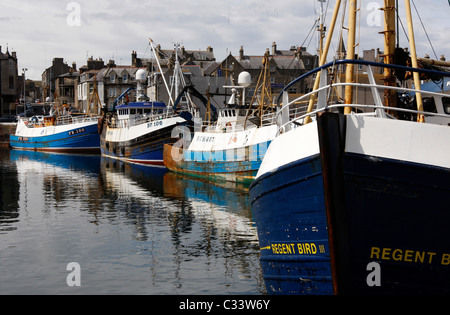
x=289 y=210
x=147 y=149
x=85 y=139
x=341 y=223
x=222 y=165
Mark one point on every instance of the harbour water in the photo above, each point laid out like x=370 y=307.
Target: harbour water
x=129 y=229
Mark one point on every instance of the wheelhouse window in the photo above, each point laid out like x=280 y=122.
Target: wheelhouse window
x=429 y=105
x=446 y=103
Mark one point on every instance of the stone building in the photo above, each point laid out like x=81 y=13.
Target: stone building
x=9 y=87
x=50 y=75
x=284 y=65
x=66 y=88
x=115 y=80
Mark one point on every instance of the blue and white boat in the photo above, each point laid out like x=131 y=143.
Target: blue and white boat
x=232 y=148
x=136 y=132
x=70 y=134
x=349 y=199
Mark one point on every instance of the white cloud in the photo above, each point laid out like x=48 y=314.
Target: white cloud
x=38 y=30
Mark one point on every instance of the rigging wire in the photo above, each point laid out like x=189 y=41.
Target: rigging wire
x=423 y=26
x=313 y=27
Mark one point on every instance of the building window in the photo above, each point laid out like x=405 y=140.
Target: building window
x=112 y=92
x=11 y=83
x=125 y=78
x=112 y=78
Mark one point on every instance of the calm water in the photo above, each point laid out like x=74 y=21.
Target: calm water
x=131 y=229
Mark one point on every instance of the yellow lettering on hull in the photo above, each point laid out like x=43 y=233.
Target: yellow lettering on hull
x=408 y=255
x=294 y=248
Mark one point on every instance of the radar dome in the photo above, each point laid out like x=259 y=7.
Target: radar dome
x=244 y=79
x=141 y=75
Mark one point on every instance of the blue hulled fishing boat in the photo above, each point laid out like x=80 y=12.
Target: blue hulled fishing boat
x=232 y=148
x=351 y=197
x=137 y=131
x=57 y=134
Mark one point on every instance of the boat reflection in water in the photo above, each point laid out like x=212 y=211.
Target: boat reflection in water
x=133 y=229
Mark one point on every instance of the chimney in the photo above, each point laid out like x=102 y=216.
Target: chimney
x=274 y=48
x=241 y=53
x=74 y=66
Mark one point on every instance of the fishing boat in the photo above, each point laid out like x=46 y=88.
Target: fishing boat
x=232 y=148
x=60 y=131
x=137 y=131
x=352 y=197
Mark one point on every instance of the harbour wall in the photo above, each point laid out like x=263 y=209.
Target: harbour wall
x=6 y=129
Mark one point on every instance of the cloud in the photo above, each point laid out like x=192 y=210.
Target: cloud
x=38 y=30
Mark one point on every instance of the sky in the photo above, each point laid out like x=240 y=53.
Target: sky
x=39 y=31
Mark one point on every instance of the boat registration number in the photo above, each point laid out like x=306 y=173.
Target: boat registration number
x=77 y=131
x=155 y=123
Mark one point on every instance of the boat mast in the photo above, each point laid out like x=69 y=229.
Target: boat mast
x=389 y=32
x=350 y=72
x=177 y=68
x=412 y=46
x=322 y=28
x=155 y=53
x=323 y=58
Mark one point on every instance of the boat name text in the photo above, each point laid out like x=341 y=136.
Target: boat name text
x=296 y=249
x=407 y=255
x=205 y=139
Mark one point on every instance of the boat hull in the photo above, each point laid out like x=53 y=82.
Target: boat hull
x=340 y=221
x=139 y=146
x=75 y=138
x=234 y=157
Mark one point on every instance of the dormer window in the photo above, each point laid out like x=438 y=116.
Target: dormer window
x=125 y=78
x=112 y=78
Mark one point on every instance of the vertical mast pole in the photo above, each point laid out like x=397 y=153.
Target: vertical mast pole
x=321 y=27
x=350 y=74
x=323 y=58
x=390 y=98
x=412 y=44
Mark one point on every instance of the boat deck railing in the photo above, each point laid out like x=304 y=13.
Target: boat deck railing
x=139 y=119
x=267 y=119
x=69 y=119
x=58 y=121
x=326 y=98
